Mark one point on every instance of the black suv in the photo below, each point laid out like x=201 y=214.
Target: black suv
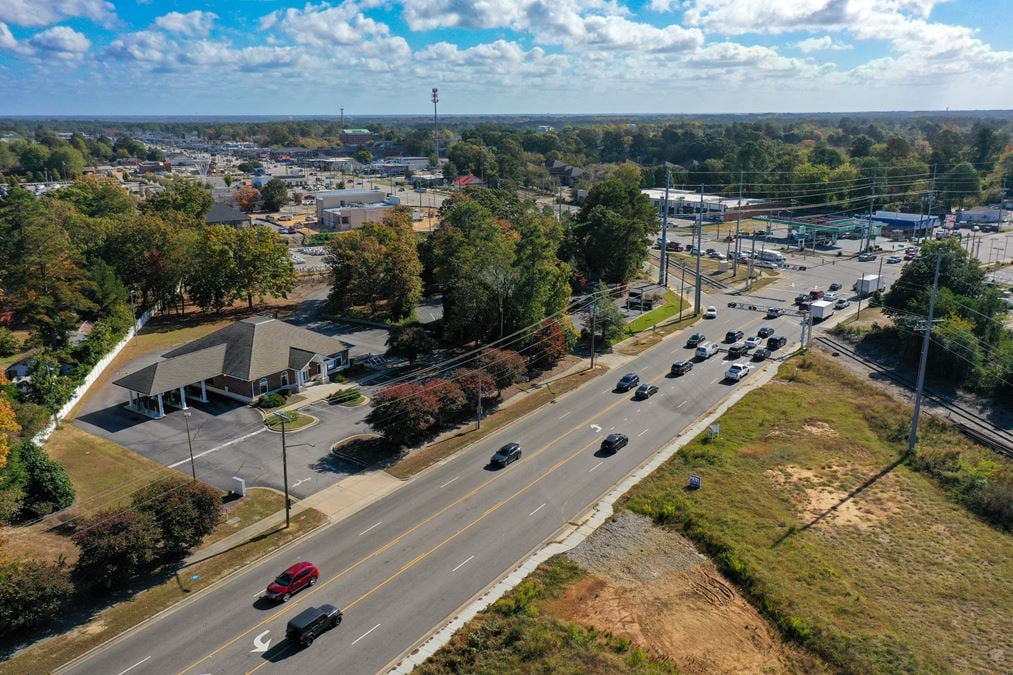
x=682 y=367
x=645 y=391
x=508 y=454
x=776 y=342
x=627 y=382
x=766 y=331
x=613 y=442
x=310 y=623
x=835 y=286
x=695 y=339
x=737 y=350
x=734 y=336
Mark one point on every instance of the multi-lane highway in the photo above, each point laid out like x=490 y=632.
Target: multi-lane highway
x=405 y=564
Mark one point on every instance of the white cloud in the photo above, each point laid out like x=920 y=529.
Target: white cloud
x=193 y=24
x=59 y=42
x=143 y=47
x=7 y=41
x=46 y=12
x=820 y=44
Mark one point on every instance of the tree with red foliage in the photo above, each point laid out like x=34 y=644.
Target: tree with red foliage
x=404 y=414
x=504 y=365
x=475 y=384
x=548 y=345
x=449 y=396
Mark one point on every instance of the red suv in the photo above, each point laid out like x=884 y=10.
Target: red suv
x=292 y=580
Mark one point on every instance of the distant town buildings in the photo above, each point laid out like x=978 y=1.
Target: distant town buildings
x=717 y=208
x=356 y=136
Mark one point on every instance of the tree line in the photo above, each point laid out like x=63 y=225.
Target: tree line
x=46 y=155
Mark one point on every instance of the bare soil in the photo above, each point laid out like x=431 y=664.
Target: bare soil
x=654 y=588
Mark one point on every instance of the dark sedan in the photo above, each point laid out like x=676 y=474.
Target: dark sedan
x=695 y=339
x=614 y=442
x=645 y=391
x=508 y=454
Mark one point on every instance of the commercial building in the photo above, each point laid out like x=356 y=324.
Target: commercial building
x=356 y=136
x=222 y=213
x=980 y=214
x=715 y=208
x=242 y=361
x=342 y=164
x=900 y=226
x=350 y=209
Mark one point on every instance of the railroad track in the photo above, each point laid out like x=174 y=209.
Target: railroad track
x=968 y=422
x=691 y=271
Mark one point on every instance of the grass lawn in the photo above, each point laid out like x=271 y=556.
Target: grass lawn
x=671 y=308
x=429 y=455
x=256 y=505
x=296 y=421
x=807 y=503
x=515 y=636
x=123 y=616
x=649 y=338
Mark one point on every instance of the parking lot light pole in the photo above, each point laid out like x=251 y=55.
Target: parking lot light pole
x=284 y=466
x=189 y=443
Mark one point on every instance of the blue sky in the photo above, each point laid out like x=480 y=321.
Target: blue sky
x=182 y=57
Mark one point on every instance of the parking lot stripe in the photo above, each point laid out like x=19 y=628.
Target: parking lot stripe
x=223 y=445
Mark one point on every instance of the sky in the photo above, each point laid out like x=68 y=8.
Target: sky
x=270 y=57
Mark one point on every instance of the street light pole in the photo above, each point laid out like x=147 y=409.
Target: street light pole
x=699 y=242
x=186 y=419
x=284 y=467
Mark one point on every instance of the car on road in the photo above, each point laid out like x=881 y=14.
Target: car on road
x=711 y=313
x=775 y=342
x=627 y=382
x=614 y=442
x=866 y=257
x=830 y=297
x=841 y=303
x=766 y=264
x=291 y=581
x=765 y=332
x=645 y=391
x=705 y=350
x=734 y=336
x=508 y=454
x=737 y=371
x=309 y=624
x=801 y=297
x=681 y=367
x=761 y=354
x=715 y=254
x=695 y=339
x=774 y=312
x=754 y=342
x=835 y=286
x=894 y=259
x=910 y=256
x=737 y=350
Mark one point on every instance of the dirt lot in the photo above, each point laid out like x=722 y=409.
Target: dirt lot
x=653 y=588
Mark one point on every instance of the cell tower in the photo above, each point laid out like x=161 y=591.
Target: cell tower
x=203 y=163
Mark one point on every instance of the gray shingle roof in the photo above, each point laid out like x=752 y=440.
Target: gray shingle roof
x=222 y=212
x=247 y=350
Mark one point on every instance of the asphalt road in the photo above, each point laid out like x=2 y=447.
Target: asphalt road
x=408 y=562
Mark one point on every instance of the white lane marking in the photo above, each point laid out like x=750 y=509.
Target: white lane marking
x=681 y=404
x=223 y=445
x=260 y=644
x=370 y=528
x=135 y=665
x=595 y=467
x=595 y=428
x=462 y=564
x=626 y=419
x=565 y=414
x=449 y=481
x=537 y=510
x=642 y=433
x=366 y=633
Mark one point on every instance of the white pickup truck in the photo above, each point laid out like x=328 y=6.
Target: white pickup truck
x=737 y=371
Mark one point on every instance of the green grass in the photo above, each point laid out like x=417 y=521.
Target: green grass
x=916 y=583
x=295 y=422
x=671 y=307
x=515 y=636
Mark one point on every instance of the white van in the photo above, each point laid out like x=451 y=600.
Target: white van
x=705 y=350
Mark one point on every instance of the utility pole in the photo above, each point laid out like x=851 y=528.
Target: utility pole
x=858 y=314
x=913 y=438
x=752 y=261
x=284 y=466
x=342 y=125
x=594 y=325
x=682 y=291
x=186 y=420
x=738 y=221
x=478 y=407
x=699 y=243
x=872 y=199
x=663 y=268
x=436 y=125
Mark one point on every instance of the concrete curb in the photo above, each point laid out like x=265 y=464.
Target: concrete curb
x=571 y=534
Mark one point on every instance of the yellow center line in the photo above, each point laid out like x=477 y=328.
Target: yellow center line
x=320 y=586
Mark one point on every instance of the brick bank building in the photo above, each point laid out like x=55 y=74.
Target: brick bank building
x=242 y=361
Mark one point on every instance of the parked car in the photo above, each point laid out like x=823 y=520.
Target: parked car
x=637 y=302
x=765 y=332
x=816 y=294
x=835 y=286
x=673 y=246
x=614 y=442
x=754 y=342
x=291 y=581
x=715 y=254
x=774 y=312
x=705 y=350
x=309 y=624
x=645 y=391
x=711 y=313
x=737 y=350
x=775 y=342
x=682 y=367
x=866 y=257
x=801 y=297
x=894 y=259
x=830 y=297
x=627 y=382
x=695 y=339
x=841 y=303
x=737 y=371
x=761 y=354
x=910 y=256
x=508 y=454
x=734 y=336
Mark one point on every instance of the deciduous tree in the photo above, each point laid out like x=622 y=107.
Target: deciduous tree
x=183 y=511
x=275 y=194
x=404 y=414
x=247 y=197
x=262 y=266
x=409 y=341
x=31 y=594
x=116 y=546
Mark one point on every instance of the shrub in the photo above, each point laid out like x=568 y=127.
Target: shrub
x=31 y=594
x=115 y=546
x=350 y=395
x=9 y=343
x=48 y=487
x=10 y=504
x=505 y=366
x=271 y=401
x=183 y=511
x=32 y=417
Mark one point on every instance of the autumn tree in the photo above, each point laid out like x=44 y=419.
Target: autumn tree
x=403 y=414
x=547 y=345
x=31 y=594
x=247 y=197
x=477 y=385
x=8 y=427
x=185 y=196
x=116 y=546
x=262 y=265
x=98 y=196
x=183 y=511
x=504 y=365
